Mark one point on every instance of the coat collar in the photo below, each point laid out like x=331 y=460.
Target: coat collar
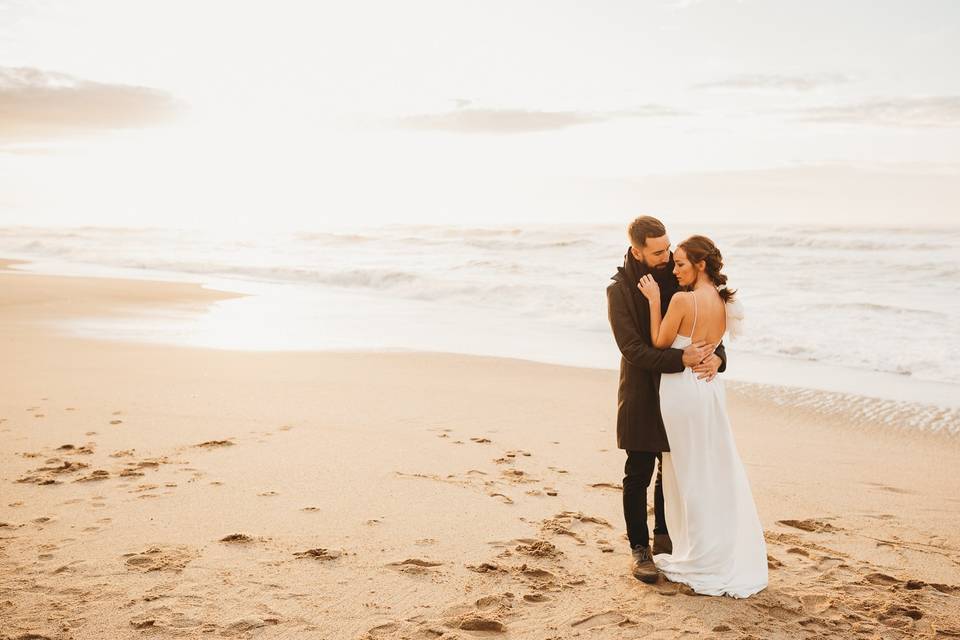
x=629 y=263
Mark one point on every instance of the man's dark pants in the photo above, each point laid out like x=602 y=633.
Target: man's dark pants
x=638 y=470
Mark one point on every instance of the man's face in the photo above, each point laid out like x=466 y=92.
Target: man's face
x=655 y=254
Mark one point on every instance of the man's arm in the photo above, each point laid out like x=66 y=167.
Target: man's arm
x=722 y=353
x=635 y=351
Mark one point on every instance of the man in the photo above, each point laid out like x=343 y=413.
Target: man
x=640 y=428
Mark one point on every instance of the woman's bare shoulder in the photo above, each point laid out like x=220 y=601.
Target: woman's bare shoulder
x=683 y=300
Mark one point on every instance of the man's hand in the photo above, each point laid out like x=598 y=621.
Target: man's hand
x=697 y=352
x=707 y=370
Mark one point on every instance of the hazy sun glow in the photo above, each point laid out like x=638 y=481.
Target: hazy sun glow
x=303 y=114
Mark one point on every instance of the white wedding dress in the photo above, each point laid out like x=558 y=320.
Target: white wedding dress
x=718 y=544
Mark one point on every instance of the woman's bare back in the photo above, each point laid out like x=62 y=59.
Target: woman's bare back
x=705 y=307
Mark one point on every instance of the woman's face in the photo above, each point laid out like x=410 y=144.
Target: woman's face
x=682 y=268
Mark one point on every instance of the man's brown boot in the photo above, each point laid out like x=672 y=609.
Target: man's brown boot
x=662 y=543
x=643 y=568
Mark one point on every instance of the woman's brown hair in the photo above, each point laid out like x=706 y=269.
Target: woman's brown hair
x=702 y=249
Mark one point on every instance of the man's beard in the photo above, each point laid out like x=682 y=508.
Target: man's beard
x=660 y=268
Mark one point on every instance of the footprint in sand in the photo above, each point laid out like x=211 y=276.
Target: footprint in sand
x=268 y=493
x=160 y=557
x=73 y=449
x=604 y=619
x=116 y=422
x=486 y=567
x=319 y=554
x=54 y=467
x=889 y=489
x=415 y=565
x=899 y=615
x=480 y=440
x=415 y=562
x=213 y=444
x=168 y=621
x=539 y=549
x=245 y=625
x=239 y=538
x=485 y=614
x=94 y=476
x=816 y=603
x=816 y=526
x=613 y=486
x=572 y=523
x=517 y=475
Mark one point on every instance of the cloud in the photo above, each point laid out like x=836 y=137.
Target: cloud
x=507 y=121
x=933 y=111
x=40 y=105
x=758 y=81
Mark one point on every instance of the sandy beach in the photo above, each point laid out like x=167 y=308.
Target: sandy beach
x=152 y=491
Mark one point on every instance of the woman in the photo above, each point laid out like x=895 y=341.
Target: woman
x=718 y=544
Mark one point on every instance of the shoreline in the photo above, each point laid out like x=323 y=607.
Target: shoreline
x=938 y=420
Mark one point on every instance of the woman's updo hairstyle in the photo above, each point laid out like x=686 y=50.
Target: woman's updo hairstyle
x=702 y=249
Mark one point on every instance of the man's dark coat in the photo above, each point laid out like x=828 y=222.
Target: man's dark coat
x=639 y=423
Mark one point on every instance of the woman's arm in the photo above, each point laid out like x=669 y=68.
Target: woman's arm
x=663 y=331
x=668 y=327
x=633 y=345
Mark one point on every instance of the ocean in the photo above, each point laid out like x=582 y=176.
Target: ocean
x=849 y=310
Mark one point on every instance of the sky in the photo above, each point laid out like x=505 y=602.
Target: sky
x=324 y=114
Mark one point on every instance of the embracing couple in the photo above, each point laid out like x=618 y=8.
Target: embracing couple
x=668 y=312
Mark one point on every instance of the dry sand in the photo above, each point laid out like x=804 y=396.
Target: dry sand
x=151 y=491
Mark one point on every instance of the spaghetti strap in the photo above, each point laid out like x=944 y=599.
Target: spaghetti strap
x=694 y=327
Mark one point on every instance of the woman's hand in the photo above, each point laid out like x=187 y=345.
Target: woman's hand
x=649 y=288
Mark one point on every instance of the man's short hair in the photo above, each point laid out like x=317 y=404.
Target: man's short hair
x=645 y=227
